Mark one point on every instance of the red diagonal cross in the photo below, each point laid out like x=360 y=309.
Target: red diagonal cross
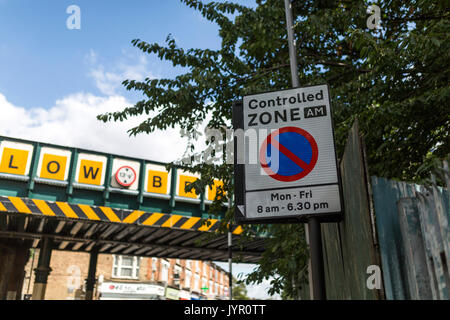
x=302 y=164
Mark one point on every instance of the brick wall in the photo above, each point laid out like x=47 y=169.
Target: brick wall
x=69 y=271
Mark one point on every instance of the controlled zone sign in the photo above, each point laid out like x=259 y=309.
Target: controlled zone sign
x=285 y=159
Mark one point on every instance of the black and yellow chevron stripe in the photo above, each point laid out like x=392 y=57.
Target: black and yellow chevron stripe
x=87 y=212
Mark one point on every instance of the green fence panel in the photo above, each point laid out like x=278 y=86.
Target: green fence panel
x=348 y=246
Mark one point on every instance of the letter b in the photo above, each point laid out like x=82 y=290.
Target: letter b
x=157 y=182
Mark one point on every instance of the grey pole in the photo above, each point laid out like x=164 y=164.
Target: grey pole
x=230 y=253
x=90 y=281
x=230 y=263
x=317 y=268
x=292 y=44
x=314 y=235
x=31 y=271
x=43 y=269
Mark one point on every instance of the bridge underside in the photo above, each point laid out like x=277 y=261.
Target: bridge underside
x=114 y=231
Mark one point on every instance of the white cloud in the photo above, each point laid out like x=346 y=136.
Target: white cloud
x=72 y=122
x=106 y=82
x=254 y=291
x=91 y=57
x=130 y=66
x=260 y=291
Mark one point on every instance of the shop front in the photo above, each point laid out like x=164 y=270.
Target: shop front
x=130 y=291
x=195 y=296
x=185 y=295
x=172 y=294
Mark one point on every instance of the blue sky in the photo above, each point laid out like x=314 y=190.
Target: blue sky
x=54 y=81
x=42 y=60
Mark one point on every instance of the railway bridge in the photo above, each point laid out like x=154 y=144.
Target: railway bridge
x=63 y=198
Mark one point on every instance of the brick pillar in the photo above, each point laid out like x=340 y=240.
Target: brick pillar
x=43 y=269
x=13 y=259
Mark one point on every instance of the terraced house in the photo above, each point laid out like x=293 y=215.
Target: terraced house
x=121 y=277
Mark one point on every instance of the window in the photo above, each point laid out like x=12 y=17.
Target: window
x=176 y=274
x=165 y=270
x=154 y=268
x=126 y=267
x=176 y=269
x=187 y=279
x=197 y=282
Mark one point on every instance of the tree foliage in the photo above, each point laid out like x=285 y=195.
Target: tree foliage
x=394 y=79
x=239 y=290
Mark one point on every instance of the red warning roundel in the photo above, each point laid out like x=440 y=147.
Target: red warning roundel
x=126 y=176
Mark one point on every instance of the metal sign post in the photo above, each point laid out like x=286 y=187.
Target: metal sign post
x=292 y=44
x=230 y=266
x=230 y=254
x=286 y=168
x=314 y=234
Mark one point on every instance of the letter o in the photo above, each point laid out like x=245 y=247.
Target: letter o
x=269 y=118
x=57 y=167
x=292 y=100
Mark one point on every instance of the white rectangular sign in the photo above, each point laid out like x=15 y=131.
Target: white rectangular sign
x=131 y=288
x=293 y=202
x=290 y=167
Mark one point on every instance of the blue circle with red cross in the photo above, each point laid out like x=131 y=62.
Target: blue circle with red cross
x=288 y=154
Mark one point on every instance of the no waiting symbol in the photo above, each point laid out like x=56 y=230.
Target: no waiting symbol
x=295 y=155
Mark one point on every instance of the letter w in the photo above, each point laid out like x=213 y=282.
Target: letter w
x=90 y=172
